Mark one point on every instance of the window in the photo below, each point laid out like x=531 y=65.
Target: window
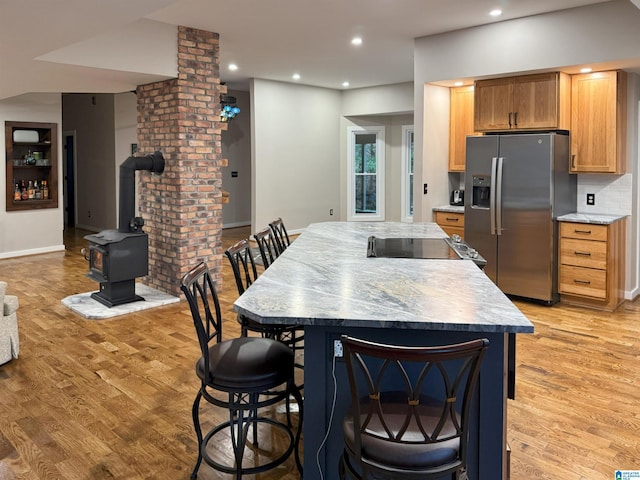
x=366 y=173
x=407 y=173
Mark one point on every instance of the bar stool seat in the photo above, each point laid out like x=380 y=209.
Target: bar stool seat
x=247 y=363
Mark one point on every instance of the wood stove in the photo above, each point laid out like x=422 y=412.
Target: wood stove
x=118 y=257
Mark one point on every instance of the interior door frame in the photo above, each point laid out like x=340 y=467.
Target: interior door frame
x=69 y=184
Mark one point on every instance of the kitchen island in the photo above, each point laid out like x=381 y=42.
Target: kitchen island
x=326 y=282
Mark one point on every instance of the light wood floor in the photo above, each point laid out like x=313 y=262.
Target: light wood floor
x=111 y=399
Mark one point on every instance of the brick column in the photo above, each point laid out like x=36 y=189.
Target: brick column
x=182 y=208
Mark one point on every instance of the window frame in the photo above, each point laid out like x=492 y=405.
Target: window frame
x=407 y=176
x=379 y=215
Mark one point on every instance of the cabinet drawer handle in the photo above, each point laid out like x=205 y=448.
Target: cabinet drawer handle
x=584 y=232
x=510 y=119
x=584 y=254
x=573 y=161
x=582 y=282
x=452 y=219
x=515 y=119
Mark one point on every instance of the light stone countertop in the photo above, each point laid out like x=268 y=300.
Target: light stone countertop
x=594 y=218
x=449 y=208
x=325 y=278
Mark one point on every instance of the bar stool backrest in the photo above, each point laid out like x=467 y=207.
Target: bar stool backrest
x=200 y=292
x=409 y=414
x=267 y=244
x=280 y=233
x=242 y=264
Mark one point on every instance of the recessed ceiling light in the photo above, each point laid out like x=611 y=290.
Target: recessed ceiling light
x=233 y=67
x=586 y=70
x=495 y=13
x=345 y=84
x=296 y=76
x=356 y=41
x=458 y=84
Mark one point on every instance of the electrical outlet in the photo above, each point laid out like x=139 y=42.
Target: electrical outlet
x=331 y=211
x=337 y=349
x=591 y=198
x=425 y=188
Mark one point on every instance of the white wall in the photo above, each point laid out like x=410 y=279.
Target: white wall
x=589 y=35
x=432 y=146
x=92 y=117
x=236 y=148
x=125 y=133
x=32 y=231
x=295 y=153
x=385 y=99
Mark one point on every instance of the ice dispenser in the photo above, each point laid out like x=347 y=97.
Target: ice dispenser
x=481 y=191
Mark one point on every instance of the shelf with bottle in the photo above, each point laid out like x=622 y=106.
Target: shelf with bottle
x=31 y=190
x=31 y=158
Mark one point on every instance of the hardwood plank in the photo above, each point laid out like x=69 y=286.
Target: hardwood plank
x=105 y=399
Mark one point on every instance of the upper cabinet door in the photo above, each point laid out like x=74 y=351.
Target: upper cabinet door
x=493 y=104
x=528 y=102
x=536 y=101
x=598 y=122
x=460 y=125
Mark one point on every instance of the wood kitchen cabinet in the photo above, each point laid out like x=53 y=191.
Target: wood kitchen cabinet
x=31 y=156
x=451 y=222
x=527 y=102
x=460 y=125
x=591 y=267
x=598 y=122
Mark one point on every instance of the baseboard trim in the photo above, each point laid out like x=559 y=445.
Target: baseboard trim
x=236 y=224
x=89 y=228
x=32 y=251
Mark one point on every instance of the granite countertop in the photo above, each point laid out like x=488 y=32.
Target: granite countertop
x=325 y=278
x=595 y=218
x=449 y=208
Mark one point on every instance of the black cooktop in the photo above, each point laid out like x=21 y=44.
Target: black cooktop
x=437 y=248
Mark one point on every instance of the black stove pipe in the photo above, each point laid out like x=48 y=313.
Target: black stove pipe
x=127 y=222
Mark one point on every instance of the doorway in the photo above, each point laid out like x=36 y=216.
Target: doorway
x=68 y=185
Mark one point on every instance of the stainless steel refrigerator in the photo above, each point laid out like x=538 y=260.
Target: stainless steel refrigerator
x=516 y=186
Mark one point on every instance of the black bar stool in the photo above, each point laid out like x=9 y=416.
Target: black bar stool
x=409 y=413
x=241 y=375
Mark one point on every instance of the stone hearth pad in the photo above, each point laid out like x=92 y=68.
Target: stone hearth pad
x=84 y=305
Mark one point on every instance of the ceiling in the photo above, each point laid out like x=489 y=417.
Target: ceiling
x=111 y=46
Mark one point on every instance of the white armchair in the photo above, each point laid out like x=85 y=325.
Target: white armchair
x=9 y=341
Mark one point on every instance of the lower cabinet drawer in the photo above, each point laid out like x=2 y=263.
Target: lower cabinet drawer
x=584 y=231
x=452 y=223
x=583 y=281
x=450 y=219
x=583 y=253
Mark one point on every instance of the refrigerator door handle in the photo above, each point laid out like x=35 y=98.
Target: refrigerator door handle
x=498 y=205
x=492 y=196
